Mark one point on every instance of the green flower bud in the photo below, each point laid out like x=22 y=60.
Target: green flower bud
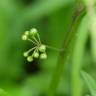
x=35 y=54
x=42 y=48
x=43 y=56
x=25 y=54
x=29 y=58
x=33 y=31
x=26 y=32
x=24 y=37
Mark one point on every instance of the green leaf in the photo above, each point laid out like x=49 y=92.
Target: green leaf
x=90 y=82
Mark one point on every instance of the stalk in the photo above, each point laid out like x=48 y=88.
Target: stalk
x=63 y=54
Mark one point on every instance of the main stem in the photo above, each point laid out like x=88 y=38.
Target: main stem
x=63 y=54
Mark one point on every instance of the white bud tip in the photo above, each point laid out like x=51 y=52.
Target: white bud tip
x=33 y=31
x=26 y=32
x=25 y=54
x=36 y=55
x=24 y=37
x=29 y=59
x=43 y=56
x=42 y=48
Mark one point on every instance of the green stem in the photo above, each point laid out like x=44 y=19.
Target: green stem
x=54 y=48
x=63 y=54
x=82 y=34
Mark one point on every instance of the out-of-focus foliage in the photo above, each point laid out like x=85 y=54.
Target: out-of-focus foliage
x=90 y=82
x=52 y=19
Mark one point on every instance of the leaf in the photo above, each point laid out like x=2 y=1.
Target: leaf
x=90 y=82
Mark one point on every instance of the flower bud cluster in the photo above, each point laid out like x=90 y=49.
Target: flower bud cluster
x=39 y=49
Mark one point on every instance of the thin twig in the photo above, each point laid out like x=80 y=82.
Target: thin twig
x=32 y=41
x=31 y=49
x=38 y=38
x=35 y=40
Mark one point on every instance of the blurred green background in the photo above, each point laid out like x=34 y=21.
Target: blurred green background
x=51 y=18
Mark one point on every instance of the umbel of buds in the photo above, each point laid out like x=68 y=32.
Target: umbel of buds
x=38 y=49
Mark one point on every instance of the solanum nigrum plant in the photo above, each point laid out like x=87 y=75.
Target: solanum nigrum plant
x=74 y=33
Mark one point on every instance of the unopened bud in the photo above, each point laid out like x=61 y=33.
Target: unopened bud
x=43 y=56
x=26 y=32
x=25 y=54
x=33 y=31
x=35 y=54
x=42 y=48
x=24 y=37
x=29 y=58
